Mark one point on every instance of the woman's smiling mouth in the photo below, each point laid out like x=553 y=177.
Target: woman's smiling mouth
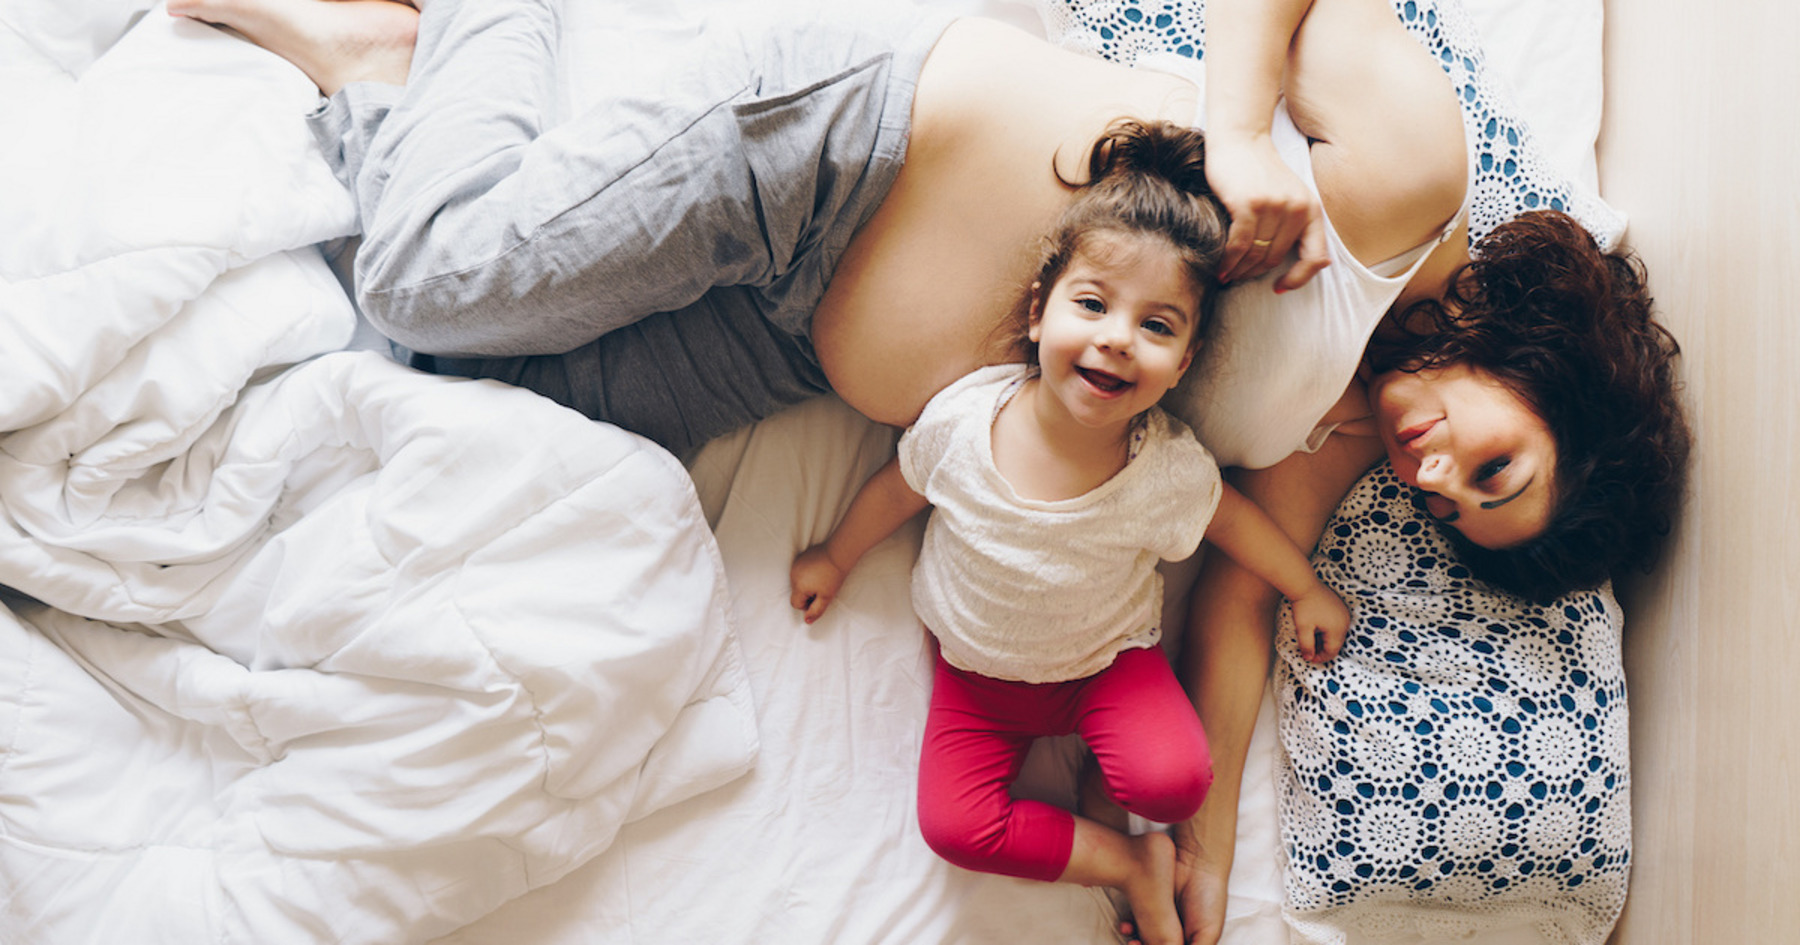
x=1416 y=432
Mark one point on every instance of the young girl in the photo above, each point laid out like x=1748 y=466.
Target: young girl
x=1057 y=485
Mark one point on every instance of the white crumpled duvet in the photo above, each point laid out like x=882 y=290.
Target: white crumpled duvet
x=296 y=645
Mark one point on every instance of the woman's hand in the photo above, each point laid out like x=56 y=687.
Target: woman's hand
x=1271 y=210
x=815 y=579
x=1321 y=622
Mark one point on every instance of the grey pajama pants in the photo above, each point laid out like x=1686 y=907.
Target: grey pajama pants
x=653 y=262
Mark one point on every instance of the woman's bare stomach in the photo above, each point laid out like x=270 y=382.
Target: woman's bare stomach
x=923 y=289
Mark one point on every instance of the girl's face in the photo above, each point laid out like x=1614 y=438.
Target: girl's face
x=1113 y=333
x=1484 y=459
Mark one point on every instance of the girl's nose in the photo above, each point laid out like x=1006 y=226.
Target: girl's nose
x=1114 y=333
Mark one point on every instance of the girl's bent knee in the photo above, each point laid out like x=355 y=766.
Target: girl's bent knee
x=964 y=850
x=1173 y=794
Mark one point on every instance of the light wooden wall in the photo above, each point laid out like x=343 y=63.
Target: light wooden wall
x=1700 y=147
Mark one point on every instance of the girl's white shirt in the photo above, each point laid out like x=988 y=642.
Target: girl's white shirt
x=1046 y=591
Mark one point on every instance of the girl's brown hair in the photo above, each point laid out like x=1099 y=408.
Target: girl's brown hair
x=1144 y=179
x=1568 y=329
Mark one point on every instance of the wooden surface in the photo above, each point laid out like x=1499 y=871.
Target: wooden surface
x=1700 y=148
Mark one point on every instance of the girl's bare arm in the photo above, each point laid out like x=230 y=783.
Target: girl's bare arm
x=883 y=504
x=1242 y=530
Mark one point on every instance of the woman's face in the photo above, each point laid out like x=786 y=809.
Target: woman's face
x=1485 y=461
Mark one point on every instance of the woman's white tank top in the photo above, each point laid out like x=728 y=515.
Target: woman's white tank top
x=1274 y=365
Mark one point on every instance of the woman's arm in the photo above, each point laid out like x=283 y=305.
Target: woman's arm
x=1389 y=156
x=1389 y=153
x=883 y=504
x=1271 y=208
x=1226 y=658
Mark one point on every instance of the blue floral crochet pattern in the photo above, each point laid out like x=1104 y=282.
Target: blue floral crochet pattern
x=1464 y=762
x=1511 y=174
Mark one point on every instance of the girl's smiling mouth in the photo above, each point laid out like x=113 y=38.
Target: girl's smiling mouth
x=1102 y=381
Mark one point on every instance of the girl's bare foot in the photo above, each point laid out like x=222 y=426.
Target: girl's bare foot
x=335 y=42
x=1151 y=891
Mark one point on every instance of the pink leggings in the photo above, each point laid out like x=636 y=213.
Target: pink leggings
x=1133 y=715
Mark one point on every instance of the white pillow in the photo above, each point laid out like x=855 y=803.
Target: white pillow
x=1463 y=765
x=1545 y=56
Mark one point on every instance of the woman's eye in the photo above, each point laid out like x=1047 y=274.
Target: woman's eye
x=1492 y=468
x=1093 y=305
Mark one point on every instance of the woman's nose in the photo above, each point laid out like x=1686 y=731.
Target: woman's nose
x=1434 y=472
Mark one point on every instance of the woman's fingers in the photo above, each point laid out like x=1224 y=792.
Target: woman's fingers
x=1259 y=239
x=1245 y=250
x=1275 y=232
x=1268 y=251
x=1272 y=210
x=1313 y=257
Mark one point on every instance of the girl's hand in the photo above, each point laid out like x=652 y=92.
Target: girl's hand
x=1320 y=623
x=815 y=579
x=1271 y=209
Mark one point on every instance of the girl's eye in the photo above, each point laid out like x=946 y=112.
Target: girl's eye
x=1093 y=305
x=1159 y=327
x=1492 y=468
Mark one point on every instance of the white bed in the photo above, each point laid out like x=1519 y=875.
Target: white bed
x=340 y=652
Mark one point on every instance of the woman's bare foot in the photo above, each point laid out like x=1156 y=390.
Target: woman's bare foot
x=1151 y=891
x=335 y=42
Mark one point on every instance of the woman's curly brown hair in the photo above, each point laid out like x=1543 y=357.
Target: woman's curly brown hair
x=1568 y=329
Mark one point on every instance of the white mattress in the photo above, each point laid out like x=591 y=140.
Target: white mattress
x=228 y=722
